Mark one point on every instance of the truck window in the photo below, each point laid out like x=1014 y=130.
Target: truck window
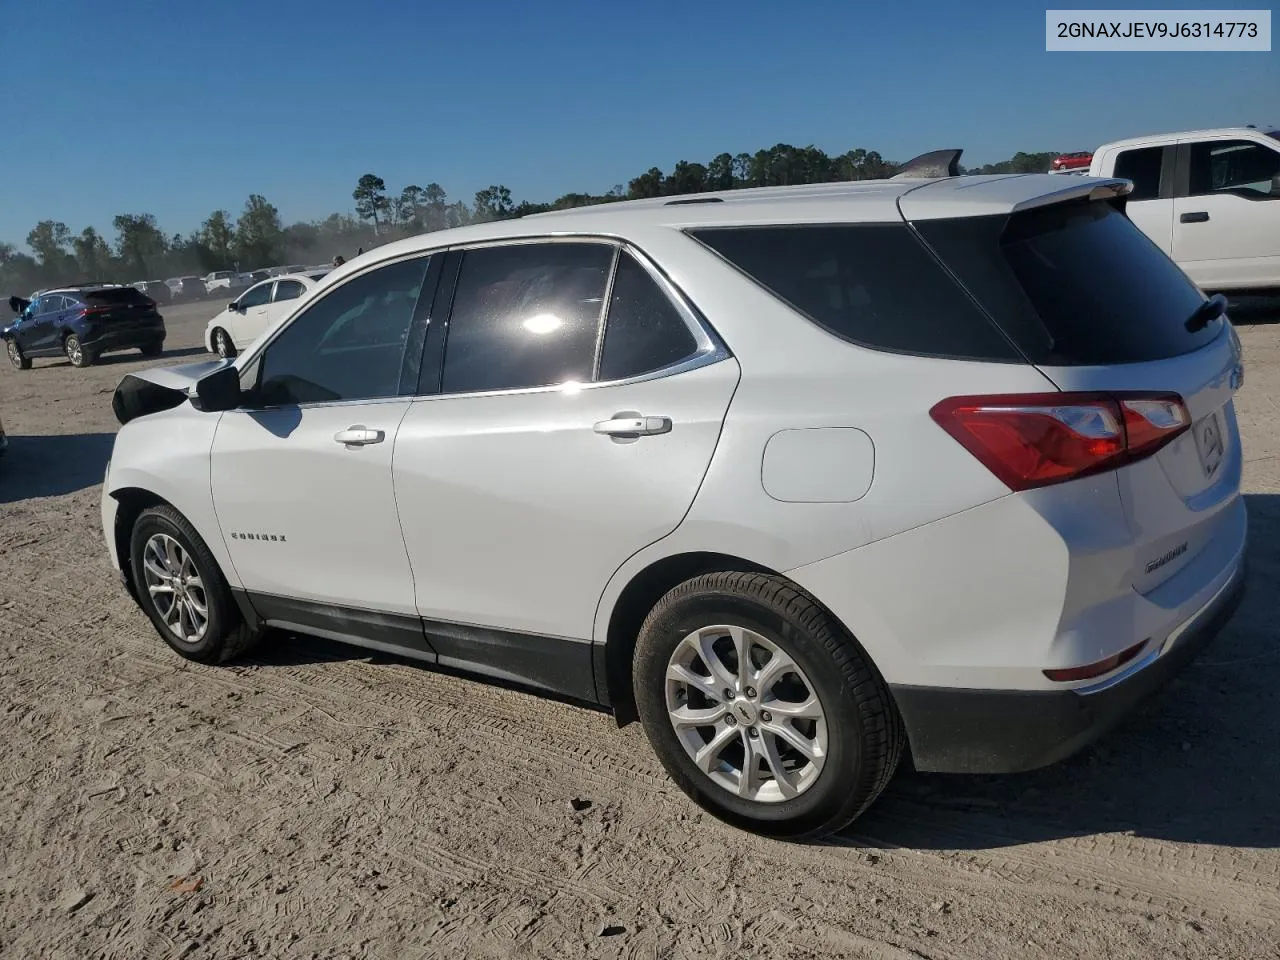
x=1142 y=166
x=1234 y=166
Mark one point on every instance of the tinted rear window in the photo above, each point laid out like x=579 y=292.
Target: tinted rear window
x=872 y=284
x=1074 y=284
x=116 y=295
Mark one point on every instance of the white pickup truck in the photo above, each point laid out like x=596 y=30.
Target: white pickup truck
x=1209 y=198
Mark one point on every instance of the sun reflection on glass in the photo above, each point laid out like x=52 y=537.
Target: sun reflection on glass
x=543 y=323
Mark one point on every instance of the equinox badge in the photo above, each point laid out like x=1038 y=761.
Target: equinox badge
x=1172 y=555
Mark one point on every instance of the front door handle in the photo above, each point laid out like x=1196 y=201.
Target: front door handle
x=358 y=436
x=625 y=426
x=1196 y=216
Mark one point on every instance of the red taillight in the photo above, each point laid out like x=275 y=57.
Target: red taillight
x=1033 y=440
x=96 y=311
x=1091 y=670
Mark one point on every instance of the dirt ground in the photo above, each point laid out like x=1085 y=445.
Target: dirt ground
x=318 y=802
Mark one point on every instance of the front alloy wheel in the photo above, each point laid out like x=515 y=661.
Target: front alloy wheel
x=16 y=358
x=176 y=588
x=178 y=583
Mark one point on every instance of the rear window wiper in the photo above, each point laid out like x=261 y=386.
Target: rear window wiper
x=1206 y=313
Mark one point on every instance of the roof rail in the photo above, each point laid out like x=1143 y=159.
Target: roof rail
x=676 y=203
x=936 y=163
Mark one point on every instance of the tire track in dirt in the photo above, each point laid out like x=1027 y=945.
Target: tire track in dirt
x=517 y=724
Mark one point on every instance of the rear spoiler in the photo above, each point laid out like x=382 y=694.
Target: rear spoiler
x=1005 y=195
x=1000 y=193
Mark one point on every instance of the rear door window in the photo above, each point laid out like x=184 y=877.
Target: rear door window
x=287 y=290
x=1074 y=283
x=871 y=284
x=1142 y=166
x=526 y=315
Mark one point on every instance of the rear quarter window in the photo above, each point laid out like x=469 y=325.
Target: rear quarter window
x=874 y=285
x=1074 y=284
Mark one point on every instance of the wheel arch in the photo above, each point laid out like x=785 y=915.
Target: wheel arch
x=131 y=502
x=642 y=591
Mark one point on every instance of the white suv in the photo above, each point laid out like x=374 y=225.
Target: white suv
x=801 y=477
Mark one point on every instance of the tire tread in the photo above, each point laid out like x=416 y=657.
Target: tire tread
x=241 y=637
x=884 y=733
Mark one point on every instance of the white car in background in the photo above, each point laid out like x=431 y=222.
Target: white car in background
x=225 y=280
x=244 y=319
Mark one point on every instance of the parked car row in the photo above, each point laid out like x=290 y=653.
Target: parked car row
x=217 y=283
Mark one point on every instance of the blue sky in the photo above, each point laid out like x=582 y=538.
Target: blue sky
x=179 y=109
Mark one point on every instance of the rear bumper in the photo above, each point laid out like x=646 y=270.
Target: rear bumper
x=999 y=731
x=124 y=339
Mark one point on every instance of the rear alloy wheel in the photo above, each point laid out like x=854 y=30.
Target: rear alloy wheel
x=222 y=344
x=16 y=357
x=761 y=707
x=746 y=714
x=182 y=590
x=76 y=352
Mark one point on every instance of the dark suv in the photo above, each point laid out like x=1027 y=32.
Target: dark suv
x=81 y=323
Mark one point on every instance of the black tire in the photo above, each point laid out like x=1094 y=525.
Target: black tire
x=222 y=344
x=153 y=349
x=226 y=636
x=77 y=353
x=865 y=737
x=19 y=359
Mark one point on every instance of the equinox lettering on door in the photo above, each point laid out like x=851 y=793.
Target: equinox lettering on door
x=273 y=537
x=1173 y=554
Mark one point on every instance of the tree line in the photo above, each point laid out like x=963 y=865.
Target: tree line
x=257 y=237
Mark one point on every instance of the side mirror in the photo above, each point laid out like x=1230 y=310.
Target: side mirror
x=219 y=390
x=234 y=306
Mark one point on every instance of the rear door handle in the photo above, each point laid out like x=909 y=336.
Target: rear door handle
x=358 y=436
x=634 y=426
x=1196 y=216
